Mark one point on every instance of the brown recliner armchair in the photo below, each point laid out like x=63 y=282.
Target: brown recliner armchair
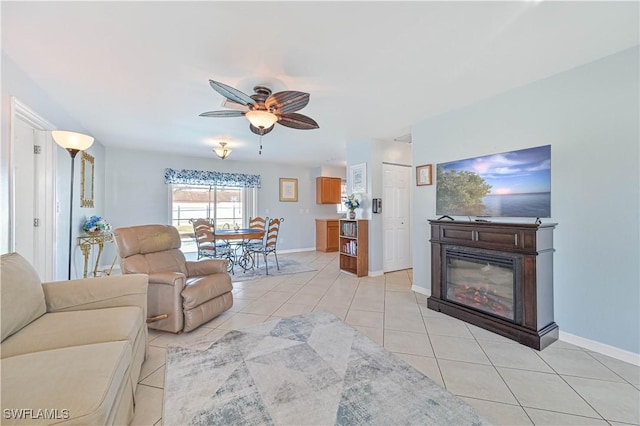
x=190 y=293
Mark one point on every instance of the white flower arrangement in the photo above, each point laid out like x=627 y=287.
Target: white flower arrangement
x=352 y=202
x=96 y=224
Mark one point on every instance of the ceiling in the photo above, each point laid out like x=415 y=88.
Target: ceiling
x=135 y=74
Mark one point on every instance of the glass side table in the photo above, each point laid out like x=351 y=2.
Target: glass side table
x=86 y=243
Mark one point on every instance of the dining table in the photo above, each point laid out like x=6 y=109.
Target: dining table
x=241 y=237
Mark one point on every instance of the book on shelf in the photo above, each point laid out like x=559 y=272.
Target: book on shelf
x=350 y=247
x=349 y=229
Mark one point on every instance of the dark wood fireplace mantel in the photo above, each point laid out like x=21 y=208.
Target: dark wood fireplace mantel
x=528 y=247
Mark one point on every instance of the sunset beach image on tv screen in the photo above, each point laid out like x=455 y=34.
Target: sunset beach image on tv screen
x=509 y=184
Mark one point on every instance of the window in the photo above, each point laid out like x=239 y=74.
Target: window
x=226 y=206
x=341 y=208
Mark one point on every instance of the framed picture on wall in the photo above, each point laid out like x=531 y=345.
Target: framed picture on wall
x=288 y=189
x=424 y=175
x=87 y=179
x=358 y=177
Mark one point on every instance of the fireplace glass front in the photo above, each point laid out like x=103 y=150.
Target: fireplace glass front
x=482 y=281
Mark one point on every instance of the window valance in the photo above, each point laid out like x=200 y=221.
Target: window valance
x=202 y=177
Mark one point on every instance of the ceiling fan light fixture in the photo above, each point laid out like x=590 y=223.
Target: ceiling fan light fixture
x=261 y=119
x=222 y=151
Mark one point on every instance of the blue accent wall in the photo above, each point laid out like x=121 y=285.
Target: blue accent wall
x=590 y=117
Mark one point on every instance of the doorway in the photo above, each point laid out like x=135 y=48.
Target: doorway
x=32 y=198
x=396 y=217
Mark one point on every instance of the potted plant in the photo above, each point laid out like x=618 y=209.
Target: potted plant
x=95 y=225
x=352 y=203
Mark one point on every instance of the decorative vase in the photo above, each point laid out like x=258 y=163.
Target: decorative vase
x=93 y=233
x=352 y=214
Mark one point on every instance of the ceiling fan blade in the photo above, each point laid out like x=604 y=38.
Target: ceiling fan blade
x=230 y=93
x=259 y=131
x=298 y=121
x=234 y=105
x=225 y=113
x=287 y=101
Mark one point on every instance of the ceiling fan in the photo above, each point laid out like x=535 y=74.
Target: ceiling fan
x=264 y=109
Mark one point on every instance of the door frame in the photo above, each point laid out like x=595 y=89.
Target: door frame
x=48 y=220
x=410 y=193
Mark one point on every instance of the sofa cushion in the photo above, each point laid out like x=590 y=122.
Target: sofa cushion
x=64 y=329
x=83 y=383
x=22 y=294
x=202 y=289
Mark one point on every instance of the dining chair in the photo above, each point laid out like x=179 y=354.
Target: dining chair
x=260 y=223
x=208 y=246
x=203 y=234
x=270 y=243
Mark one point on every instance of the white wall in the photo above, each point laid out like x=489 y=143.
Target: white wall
x=136 y=193
x=80 y=214
x=136 y=190
x=374 y=153
x=17 y=84
x=326 y=211
x=334 y=171
x=590 y=117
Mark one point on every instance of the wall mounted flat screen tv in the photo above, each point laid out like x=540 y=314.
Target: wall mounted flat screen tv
x=509 y=184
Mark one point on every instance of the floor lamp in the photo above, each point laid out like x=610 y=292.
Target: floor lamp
x=73 y=143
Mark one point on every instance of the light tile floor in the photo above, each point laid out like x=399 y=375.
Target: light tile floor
x=508 y=383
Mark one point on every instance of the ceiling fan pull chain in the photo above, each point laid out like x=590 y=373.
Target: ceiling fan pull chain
x=260 y=151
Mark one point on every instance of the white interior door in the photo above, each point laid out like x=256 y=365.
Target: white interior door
x=25 y=166
x=396 y=217
x=33 y=190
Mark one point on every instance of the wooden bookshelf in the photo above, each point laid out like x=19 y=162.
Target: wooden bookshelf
x=354 y=246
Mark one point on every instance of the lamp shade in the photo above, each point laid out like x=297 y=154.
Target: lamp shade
x=222 y=151
x=72 y=140
x=261 y=119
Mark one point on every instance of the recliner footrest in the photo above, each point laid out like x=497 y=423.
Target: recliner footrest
x=202 y=289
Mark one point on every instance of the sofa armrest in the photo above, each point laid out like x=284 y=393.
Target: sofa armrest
x=97 y=293
x=206 y=267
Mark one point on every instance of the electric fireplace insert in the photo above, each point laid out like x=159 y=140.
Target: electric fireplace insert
x=483 y=280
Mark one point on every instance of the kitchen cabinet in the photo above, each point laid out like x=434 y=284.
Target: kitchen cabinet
x=328 y=190
x=327 y=232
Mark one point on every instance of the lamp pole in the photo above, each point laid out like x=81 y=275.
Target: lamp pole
x=73 y=143
x=73 y=153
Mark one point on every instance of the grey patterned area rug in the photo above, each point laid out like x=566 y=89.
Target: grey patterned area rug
x=287 y=266
x=310 y=369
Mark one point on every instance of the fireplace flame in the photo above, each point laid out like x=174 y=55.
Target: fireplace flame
x=484 y=298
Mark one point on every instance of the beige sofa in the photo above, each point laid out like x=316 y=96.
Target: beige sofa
x=71 y=351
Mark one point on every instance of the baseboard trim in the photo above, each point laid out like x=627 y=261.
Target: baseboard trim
x=375 y=273
x=601 y=348
x=296 y=250
x=421 y=290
